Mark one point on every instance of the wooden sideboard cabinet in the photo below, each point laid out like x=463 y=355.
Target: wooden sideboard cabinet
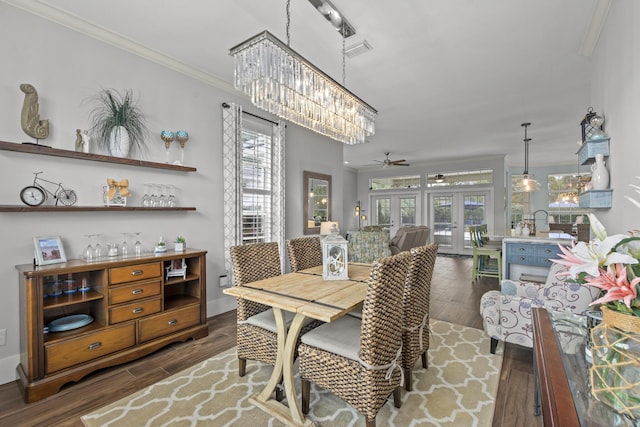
x=136 y=309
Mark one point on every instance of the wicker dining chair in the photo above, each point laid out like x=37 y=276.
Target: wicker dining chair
x=415 y=309
x=304 y=252
x=256 y=329
x=359 y=360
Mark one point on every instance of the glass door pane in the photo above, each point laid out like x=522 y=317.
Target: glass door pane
x=442 y=220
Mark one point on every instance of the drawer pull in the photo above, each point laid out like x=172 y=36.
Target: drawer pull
x=136 y=272
x=547 y=251
x=522 y=258
x=137 y=291
x=172 y=322
x=521 y=249
x=95 y=345
x=137 y=310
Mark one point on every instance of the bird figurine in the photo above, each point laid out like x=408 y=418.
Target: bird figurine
x=30 y=118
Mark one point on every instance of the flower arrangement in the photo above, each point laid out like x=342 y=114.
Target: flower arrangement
x=609 y=263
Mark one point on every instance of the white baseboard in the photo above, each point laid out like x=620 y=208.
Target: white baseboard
x=8 y=369
x=221 y=305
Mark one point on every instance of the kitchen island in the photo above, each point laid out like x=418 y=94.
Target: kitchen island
x=531 y=255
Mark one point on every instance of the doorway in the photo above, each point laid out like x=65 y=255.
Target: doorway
x=396 y=210
x=452 y=212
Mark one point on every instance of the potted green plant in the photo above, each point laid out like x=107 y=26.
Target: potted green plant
x=118 y=123
x=180 y=244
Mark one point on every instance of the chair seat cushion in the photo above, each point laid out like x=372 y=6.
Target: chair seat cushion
x=266 y=320
x=341 y=337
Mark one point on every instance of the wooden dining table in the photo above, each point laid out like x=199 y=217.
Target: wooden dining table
x=306 y=294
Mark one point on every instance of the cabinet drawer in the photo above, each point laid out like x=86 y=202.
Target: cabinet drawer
x=122 y=313
x=169 y=322
x=82 y=349
x=134 y=292
x=135 y=272
x=547 y=251
x=522 y=259
x=520 y=249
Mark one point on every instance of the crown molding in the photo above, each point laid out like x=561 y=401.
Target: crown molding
x=592 y=34
x=51 y=13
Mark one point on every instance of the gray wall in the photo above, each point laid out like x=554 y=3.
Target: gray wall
x=615 y=93
x=67 y=67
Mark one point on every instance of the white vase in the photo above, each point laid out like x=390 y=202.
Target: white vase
x=119 y=142
x=599 y=174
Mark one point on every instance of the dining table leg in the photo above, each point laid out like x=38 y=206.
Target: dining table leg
x=287 y=340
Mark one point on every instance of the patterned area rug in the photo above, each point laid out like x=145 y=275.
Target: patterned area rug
x=458 y=389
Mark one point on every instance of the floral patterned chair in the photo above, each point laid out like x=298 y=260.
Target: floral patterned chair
x=506 y=314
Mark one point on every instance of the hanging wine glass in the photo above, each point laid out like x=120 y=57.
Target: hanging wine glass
x=167 y=136
x=138 y=244
x=182 y=136
x=87 y=254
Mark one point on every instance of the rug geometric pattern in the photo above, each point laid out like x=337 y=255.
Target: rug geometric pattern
x=458 y=389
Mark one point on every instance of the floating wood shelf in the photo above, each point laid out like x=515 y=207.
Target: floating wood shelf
x=48 y=151
x=23 y=208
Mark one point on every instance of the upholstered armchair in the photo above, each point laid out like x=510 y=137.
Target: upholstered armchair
x=506 y=314
x=409 y=237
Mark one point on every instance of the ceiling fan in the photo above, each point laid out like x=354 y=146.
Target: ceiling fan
x=388 y=162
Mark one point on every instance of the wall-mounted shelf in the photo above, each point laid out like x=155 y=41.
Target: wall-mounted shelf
x=588 y=150
x=23 y=208
x=597 y=199
x=56 y=152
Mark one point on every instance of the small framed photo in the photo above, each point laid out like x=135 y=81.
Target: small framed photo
x=49 y=250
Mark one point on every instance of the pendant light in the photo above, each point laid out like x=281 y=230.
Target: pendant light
x=528 y=183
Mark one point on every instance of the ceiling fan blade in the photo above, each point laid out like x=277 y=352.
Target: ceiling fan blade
x=401 y=164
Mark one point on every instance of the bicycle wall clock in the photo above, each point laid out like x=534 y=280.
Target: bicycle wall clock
x=37 y=193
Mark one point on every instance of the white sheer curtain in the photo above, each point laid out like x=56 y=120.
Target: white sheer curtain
x=232 y=158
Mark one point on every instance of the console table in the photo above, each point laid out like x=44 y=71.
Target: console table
x=532 y=255
x=561 y=374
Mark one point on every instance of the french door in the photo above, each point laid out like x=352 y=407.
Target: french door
x=451 y=214
x=393 y=211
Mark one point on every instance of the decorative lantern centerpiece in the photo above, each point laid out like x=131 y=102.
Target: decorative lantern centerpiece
x=334 y=256
x=591 y=126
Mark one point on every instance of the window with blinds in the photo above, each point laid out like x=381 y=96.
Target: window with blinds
x=256 y=166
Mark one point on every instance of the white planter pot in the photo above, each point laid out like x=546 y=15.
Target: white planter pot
x=179 y=247
x=119 y=142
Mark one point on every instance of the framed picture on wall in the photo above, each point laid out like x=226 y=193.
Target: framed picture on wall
x=49 y=250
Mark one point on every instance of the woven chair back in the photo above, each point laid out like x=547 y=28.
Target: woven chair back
x=304 y=252
x=381 y=328
x=250 y=263
x=415 y=303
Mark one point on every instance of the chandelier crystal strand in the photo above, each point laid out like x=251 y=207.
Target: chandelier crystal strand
x=279 y=80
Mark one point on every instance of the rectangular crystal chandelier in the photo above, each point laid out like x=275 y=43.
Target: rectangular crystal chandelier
x=282 y=82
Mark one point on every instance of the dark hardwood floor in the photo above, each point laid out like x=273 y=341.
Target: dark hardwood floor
x=453 y=299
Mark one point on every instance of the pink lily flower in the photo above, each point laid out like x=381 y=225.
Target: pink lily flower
x=589 y=257
x=616 y=285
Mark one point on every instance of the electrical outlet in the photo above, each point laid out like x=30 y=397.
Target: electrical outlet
x=3 y=337
x=224 y=281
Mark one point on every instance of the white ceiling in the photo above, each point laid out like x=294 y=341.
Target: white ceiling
x=449 y=78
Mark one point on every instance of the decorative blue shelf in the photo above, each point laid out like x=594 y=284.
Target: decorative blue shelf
x=596 y=199
x=588 y=150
